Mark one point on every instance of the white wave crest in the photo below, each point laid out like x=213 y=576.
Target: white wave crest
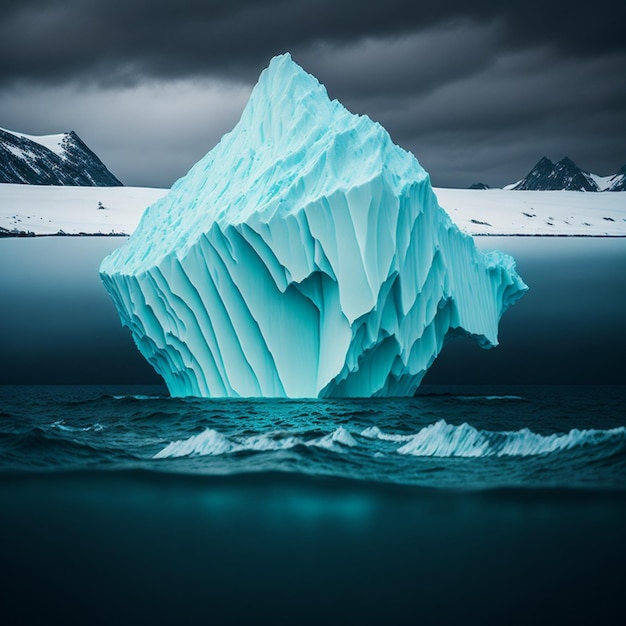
x=61 y=425
x=437 y=440
x=442 y=439
x=446 y=440
x=212 y=443
x=267 y=442
x=373 y=432
x=340 y=436
x=208 y=442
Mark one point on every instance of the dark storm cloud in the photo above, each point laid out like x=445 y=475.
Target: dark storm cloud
x=478 y=91
x=412 y=64
x=480 y=113
x=124 y=40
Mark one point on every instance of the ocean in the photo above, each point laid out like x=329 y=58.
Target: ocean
x=497 y=495
x=472 y=504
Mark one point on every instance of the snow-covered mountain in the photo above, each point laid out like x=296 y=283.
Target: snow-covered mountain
x=61 y=159
x=565 y=175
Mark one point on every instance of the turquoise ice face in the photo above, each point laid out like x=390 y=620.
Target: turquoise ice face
x=304 y=256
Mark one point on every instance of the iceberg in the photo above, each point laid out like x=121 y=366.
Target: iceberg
x=304 y=256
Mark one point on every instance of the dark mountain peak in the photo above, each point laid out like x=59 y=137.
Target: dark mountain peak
x=564 y=175
x=29 y=160
x=566 y=162
x=478 y=186
x=533 y=180
x=543 y=163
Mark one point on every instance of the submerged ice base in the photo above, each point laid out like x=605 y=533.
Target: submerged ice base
x=304 y=256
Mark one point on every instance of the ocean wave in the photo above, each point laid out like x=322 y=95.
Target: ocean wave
x=259 y=443
x=446 y=440
x=435 y=440
x=61 y=425
x=208 y=442
x=43 y=447
x=138 y=397
x=505 y=398
x=373 y=432
x=340 y=436
x=211 y=442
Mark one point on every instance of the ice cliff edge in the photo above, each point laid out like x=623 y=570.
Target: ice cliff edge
x=304 y=256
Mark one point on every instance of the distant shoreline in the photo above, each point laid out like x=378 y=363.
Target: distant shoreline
x=31 y=235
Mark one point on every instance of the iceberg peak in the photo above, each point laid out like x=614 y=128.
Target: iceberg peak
x=304 y=256
x=282 y=97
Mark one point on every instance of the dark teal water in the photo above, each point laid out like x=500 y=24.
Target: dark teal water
x=446 y=437
x=483 y=505
x=490 y=504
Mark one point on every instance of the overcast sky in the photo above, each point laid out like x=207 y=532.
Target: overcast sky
x=478 y=91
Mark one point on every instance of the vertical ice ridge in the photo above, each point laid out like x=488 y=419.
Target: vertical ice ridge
x=196 y=331
x=305 y=255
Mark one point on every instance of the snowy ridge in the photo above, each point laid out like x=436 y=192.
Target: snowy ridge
x=54 y=143
x=603 y=182
x=61 y=159
x=304 y=256
x=435 y=440
x=617 y=182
